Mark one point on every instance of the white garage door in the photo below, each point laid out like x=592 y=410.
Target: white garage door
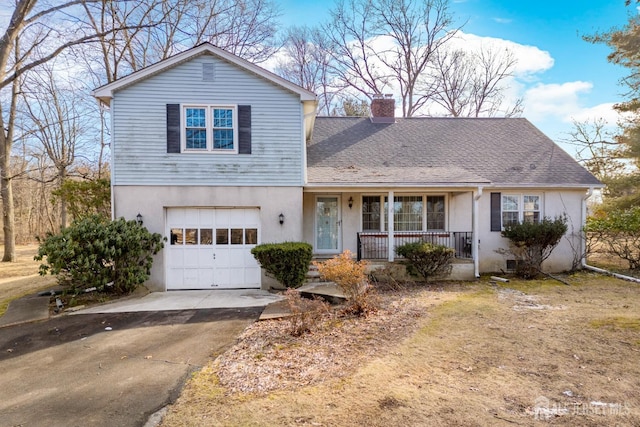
x=211 y=248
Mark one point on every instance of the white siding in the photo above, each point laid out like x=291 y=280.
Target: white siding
x=554 y=203
x=139 y=145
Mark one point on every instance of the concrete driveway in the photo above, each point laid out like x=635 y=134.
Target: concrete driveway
x=110 y=369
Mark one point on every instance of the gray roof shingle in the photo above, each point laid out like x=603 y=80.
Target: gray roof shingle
x=439 y=151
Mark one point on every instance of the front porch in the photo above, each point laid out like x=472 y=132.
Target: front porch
x=372 y=224
x=375 y=245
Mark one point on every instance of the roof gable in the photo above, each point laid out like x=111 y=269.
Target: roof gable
x=439 y=151
x=106 y=92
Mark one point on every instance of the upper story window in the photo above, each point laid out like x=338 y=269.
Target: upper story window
x=517 y=208
x=210 y=128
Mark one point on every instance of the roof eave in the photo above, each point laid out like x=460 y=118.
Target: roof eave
x=486 y=184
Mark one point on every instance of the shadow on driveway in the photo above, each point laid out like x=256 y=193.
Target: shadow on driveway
x=72 y=371
x=21 y=339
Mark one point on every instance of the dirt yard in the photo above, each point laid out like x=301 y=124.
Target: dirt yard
x=21 y=277
x=478 y=354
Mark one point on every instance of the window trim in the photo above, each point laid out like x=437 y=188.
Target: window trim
x=209 y=109
x=521 y=208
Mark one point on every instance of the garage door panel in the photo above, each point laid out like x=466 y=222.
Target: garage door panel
x=211 y=247
x=190 y=275
x=205 y=278
x=252 y=276
x=191 y=258
x=175 y=276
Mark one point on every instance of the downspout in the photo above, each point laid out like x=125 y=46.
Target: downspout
x=583 y=222
x=112 y=147
x=390 y=228
x=584 y=246
x=475 y=245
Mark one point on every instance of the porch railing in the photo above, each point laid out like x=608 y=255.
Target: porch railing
x=374 y=245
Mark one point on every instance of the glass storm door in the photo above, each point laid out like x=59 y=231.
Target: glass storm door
x=327 y=224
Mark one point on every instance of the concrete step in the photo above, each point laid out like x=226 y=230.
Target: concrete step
x=328 y=291
x=313 y=276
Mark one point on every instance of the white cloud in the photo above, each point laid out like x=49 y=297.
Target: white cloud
x=554 y=100
x=503 y=20
x=601 y=111
x=530 y=59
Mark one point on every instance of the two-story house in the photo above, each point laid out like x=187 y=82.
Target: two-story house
x=218 y=155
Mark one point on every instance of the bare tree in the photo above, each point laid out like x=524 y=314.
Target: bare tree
x=306 y=62
x=597 y=149
x=351 y=32
x=381 y=44
x=55 y=113
x=472 y=83
x=352 y=107
x=36 y=33
x=153 y=30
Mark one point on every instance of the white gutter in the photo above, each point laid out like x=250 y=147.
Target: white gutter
x=475 y=243
x=584 y=244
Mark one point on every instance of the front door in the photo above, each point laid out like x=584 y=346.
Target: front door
x=328 y=235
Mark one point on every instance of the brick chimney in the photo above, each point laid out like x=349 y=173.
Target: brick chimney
x=383 y=108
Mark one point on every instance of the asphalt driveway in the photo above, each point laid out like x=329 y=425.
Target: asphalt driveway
x=111 y=369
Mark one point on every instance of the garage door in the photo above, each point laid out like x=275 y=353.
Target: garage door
x=211 y=248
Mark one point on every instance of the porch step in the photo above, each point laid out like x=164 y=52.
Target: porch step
x=328 y=291
x=313 y=276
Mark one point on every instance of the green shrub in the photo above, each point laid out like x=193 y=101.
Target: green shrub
x=532 y=242
x=617 y=233
x=93 y=252
x=287 y=262
x=85 y=198
x=427 y=259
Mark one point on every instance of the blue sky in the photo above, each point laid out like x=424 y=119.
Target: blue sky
x=563 y=76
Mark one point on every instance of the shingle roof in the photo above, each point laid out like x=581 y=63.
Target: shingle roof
x=437 y=151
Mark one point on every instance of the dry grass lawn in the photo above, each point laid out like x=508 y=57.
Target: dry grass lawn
x=478 y=354
x=21 y=277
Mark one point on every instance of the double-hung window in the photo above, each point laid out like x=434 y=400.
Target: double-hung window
x=517 y=208
x=410 y=213
x=371 y=214
x=210 y=128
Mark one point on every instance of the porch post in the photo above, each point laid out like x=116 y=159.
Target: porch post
x=475 y=242
x=391 y=227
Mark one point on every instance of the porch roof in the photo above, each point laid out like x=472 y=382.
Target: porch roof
x=432 y=151
x=405 y=176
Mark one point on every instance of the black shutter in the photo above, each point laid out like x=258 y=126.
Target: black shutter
x=173 y=128
x=496 y=214
x=244 y=129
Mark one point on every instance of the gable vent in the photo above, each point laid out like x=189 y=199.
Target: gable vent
x=208 y=73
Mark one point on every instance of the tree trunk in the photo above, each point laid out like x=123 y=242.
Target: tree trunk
x=62 y=175
x=8 y=212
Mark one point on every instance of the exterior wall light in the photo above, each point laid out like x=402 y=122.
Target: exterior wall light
x=139 y=219
x=350 y=202
x=281 y=218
